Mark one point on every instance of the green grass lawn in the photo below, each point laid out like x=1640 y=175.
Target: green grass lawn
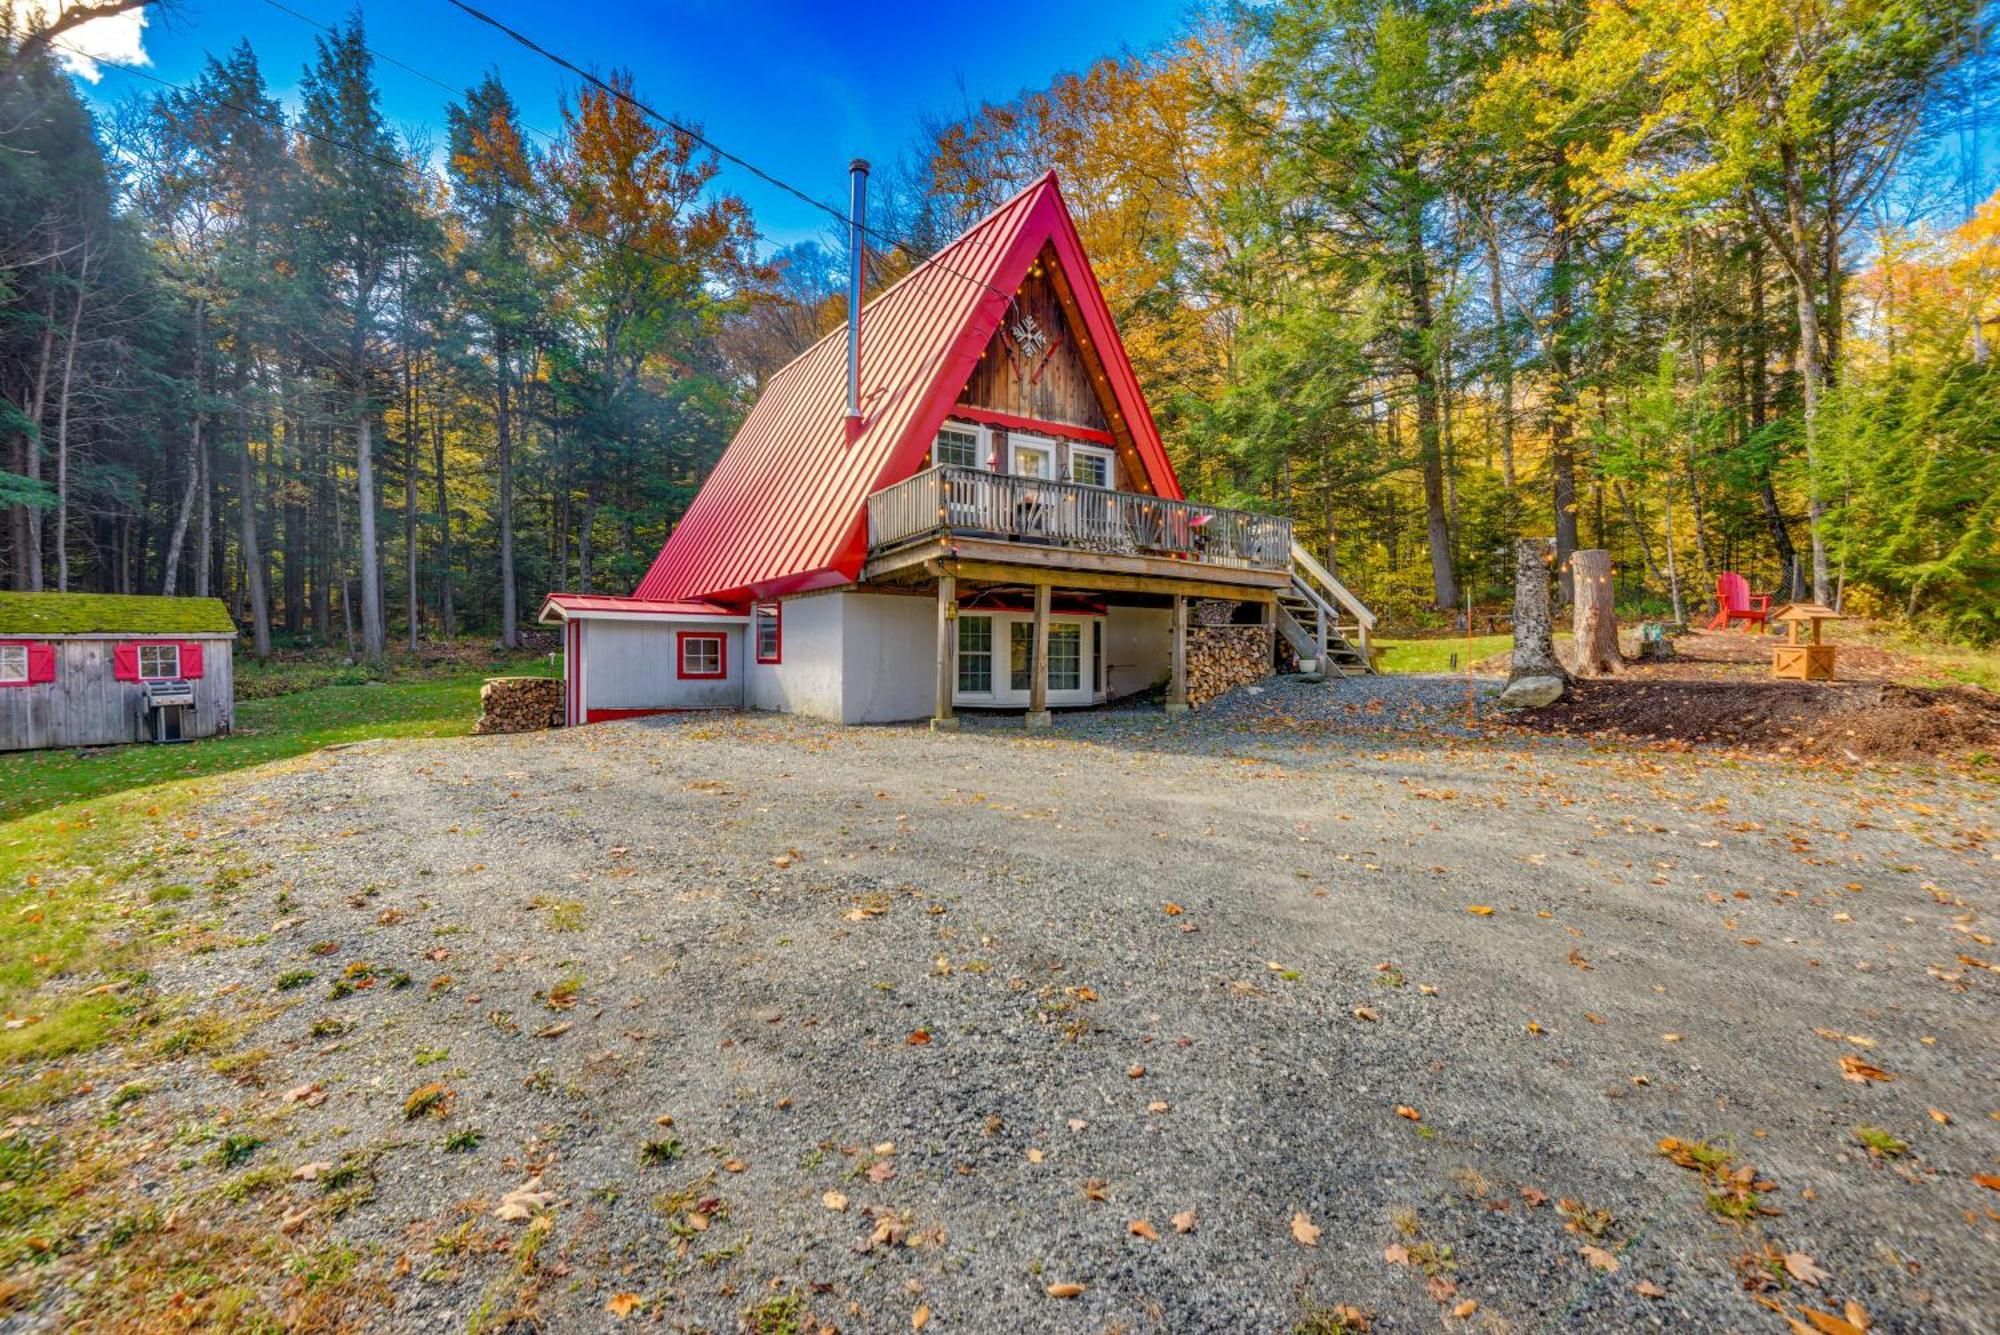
x=267 y=729
x=1435 y=655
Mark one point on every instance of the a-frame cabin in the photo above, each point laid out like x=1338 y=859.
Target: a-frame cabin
x=1000 y=528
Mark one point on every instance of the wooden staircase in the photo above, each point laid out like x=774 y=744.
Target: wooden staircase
x=1310 y=617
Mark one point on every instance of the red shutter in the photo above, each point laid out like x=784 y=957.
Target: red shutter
x=190 y=659
x=41 y=663
x=125 y=662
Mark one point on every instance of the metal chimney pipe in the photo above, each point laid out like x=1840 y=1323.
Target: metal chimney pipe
x=857 y=259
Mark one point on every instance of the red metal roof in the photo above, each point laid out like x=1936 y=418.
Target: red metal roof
x=583 y=604
x=786 y=508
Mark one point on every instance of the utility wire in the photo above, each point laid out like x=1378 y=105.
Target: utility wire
x=400 y=164
x=697 y=136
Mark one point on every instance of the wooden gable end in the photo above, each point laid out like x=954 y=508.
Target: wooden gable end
x=1034 y=366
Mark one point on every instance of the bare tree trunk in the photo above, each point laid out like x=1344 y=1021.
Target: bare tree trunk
x=170 y=579
x=204 y=530
x=62 y=432
x=444 y=529
x=1593 y=615
x=510 y=614
x=1673 y=565
x=373 y=636
x=246 y=522
x=1503 y=351
x=28 y=518
x=410 y=482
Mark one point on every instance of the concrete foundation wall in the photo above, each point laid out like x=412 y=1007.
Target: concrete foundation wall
x=889 y=668
x=806 y=680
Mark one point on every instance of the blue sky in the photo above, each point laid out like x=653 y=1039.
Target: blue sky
x=798 y=88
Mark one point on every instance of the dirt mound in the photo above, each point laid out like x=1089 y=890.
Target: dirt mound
x=1837 y=720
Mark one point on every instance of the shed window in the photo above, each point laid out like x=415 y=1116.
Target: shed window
x=701 y=654
x=13 y=663
x=957 y=446
x=159 y=661
x=769 y=620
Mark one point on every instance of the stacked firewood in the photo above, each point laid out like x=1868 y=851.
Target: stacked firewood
x=1221 y=658
x=520 y=704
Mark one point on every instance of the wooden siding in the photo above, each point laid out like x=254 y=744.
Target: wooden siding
x=86 y=705
x=1064 y=390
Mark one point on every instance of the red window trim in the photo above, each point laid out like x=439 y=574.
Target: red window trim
x=777 y=613
x=681 y=639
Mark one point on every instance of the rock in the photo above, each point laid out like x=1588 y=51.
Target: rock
x=1531 y=692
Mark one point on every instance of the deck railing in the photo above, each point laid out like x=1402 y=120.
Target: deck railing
x=972 y=502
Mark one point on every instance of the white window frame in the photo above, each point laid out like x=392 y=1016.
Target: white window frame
x=145 y=649
x=1020 y=444
x=989 y=654
x=6 y=652
x=688 y=639
x=982 y=445
x=1110 y=458
x=771 y=615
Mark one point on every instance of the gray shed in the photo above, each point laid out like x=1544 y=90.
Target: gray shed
x=79 y=669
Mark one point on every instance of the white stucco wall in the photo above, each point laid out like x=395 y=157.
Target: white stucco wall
x=807 y=679
x=889 y=669
x=633 y=665
x=1139 y=643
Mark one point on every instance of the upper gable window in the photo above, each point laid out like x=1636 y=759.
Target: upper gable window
x=1090 y=466
x=957 y=447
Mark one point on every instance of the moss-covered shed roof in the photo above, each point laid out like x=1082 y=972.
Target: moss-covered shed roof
x=111 y=614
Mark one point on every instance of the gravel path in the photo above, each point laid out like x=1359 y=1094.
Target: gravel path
x=1316 y=966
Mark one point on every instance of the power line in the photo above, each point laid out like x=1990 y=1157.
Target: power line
x=698 y=137
x=399 y=164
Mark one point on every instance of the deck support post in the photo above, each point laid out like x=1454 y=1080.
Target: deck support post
x=1177 y=685
x=1038 y=668
x=943 y=719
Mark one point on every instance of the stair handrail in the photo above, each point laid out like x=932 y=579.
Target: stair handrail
x=1304 y=560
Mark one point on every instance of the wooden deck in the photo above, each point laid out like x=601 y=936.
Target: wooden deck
x=973 y=515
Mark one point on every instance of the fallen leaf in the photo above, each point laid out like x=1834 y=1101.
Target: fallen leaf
x=1479 y=910
x=622 y=1304
x=920 y=1318
x=1139 y=1228
x=1670 y=1038
x=1646 y=1288
x=881 y=1171
x=1857 y=1315
x=310 y=1172
x=1174 y=910
x=1156 y=1106
x=834 y=1201
x=1035 y=1155
x=1940 y=1116
x=1407 y=1113
x=1466 y=1308
x=1184 y=1222
x=1305 y=1230
x=1534 y=1197
x=1599 y=1258
x=1396 y=1254
x=919 y=1037
x=1804 y=1269
x=554 y=1030
x=1860 y=1072
x=523 y=1202
x=733 y=1165
x=1094 y=1188
x=1065 y=1290
x=1987 y=1180
x=306 y=1094
x=1136 y=1072
x=1829 y=1324
x=1363 y=1013
x=884 y=1148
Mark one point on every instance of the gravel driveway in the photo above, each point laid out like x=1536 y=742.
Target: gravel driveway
x=1315 y=1005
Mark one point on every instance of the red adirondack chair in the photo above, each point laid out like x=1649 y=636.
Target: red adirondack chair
x=1734 y=602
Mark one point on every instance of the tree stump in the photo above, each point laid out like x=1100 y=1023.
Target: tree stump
x=1536 y=677
x=1593 y=616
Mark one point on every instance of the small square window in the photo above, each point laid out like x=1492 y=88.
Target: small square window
x=1092 y=467
x=701 y=655
x=768 y=619
x=13 y=662
x=956 y=447
x=158 y=662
